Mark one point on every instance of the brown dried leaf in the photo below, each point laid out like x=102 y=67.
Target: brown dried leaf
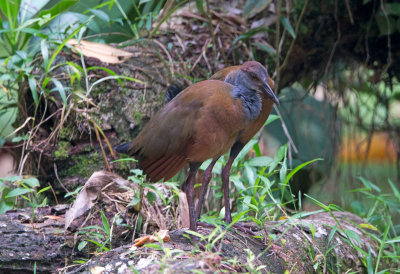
x=105 y=53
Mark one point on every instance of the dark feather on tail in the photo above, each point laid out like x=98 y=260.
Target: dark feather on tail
x=172 y=91
x=123 y=148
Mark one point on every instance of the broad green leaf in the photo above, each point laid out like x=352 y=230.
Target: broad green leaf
x=100 y=14
x=17 y=192
x=261 y=161
x=58 y=8
x=286 y=23
x=199 y=6
x=151 y=197
x=5 y=206
x=32 y=182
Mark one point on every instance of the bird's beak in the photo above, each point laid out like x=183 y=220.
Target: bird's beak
x=267 y=90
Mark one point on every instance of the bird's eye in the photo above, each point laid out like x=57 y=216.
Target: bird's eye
x=253 y=76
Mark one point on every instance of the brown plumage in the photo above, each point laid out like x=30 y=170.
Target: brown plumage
x=202 y=122
x=229 y=75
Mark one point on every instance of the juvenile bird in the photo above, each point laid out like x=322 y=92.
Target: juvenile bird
x=202 y=122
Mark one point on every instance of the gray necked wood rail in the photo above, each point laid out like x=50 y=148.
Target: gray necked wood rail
x=204 y=121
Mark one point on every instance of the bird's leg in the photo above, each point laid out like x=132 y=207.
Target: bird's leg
x=189 y=190
x=206 y=180
x=236 y=148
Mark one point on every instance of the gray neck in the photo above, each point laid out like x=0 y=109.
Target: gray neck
x=250 y=99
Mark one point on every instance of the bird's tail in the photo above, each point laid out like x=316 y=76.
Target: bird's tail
x=172 y=91
x=123 y=148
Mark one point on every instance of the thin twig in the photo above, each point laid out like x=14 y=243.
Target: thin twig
x=277 y=41
x=210 y=25
x=58 y=178
x=338 y=36
x=285 y=130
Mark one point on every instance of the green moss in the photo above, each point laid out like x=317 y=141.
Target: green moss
x=66 y=133
x=138 y=117
x=84 y=165
x=62 y=151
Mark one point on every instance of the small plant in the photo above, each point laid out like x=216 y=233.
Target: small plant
x=17 y=192
x=99 y=236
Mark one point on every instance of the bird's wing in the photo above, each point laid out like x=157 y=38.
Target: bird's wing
x=163 y=145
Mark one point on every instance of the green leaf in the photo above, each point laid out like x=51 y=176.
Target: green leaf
x=245 y=150
x=395 y=189
x=5 y=206
x=17 y=192
x=353 y=235
x=82 y=245
x=271 y=118
x=393 y=240
x=294 y=171
x=245 y=36
x=265 y=47
x=278 y=157
x=369 y=184
x=261 y=161
x=315 y=201
x=100 y=14
x=32 y=182
x=44 y=189
x=135 y=201
x=332 y=233
x=148 y=22
x=32 y=87
x=286 y=23
x=60 y=47
x=151 y=197
x=199 y=6
x=252 y=7
x=153 y=246
x=106 y=225
x=12 y=179
x=370 y=265
x=45 y=52
x=61 y=91
x=58 y=8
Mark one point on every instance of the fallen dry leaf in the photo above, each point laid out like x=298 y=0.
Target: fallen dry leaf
x=105 y=53
x=162 y=234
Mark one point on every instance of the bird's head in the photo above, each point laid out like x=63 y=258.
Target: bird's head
x=255 y=76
